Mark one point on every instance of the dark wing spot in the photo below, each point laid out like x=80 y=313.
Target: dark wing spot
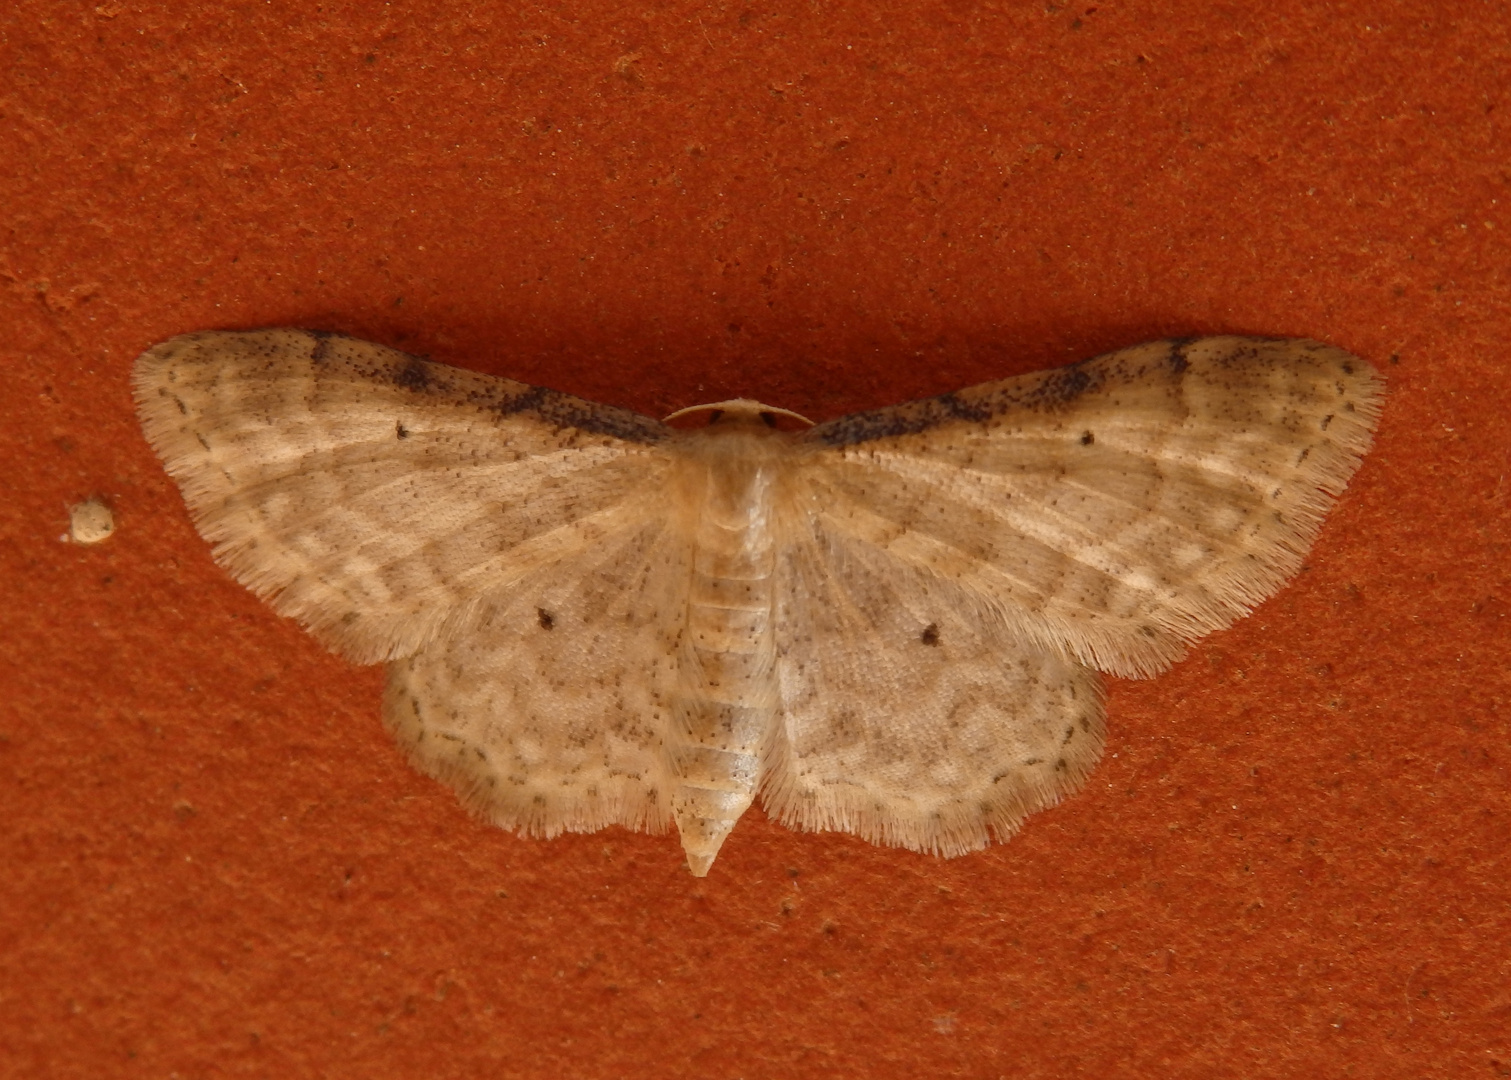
x=1087 y=438
x=547 y=620
x=930 y=635
x=960 y=408
x=1178 y=361
x=529 y=401
x=1064 y=385
x=319 y=353
x=413 y=375
x=403 y=431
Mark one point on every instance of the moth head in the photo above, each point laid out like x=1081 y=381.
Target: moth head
x=741 y=412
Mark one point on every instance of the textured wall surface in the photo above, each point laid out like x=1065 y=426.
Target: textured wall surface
x=1293 y=860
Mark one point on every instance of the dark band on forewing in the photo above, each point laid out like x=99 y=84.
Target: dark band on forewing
x=322 y=344
x=1044 y=391
x=502 y=396
x=564 y=410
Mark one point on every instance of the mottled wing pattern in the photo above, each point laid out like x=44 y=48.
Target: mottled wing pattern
x=549 y=714
x=945 y=573
x=379 y=498
x=908 y=718
x=1114 y=510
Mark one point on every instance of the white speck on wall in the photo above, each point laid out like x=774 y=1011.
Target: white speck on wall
x=889 y=624
x=90 y=522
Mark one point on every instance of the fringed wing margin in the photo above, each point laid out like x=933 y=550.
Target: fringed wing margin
x=377 y=497
x=1115 y=510
x=908 y=720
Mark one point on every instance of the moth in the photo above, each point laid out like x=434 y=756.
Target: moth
x=888 y=624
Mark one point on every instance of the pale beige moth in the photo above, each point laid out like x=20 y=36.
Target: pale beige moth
x=888 y=624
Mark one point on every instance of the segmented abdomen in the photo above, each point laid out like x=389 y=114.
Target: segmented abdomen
x=726 y=673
